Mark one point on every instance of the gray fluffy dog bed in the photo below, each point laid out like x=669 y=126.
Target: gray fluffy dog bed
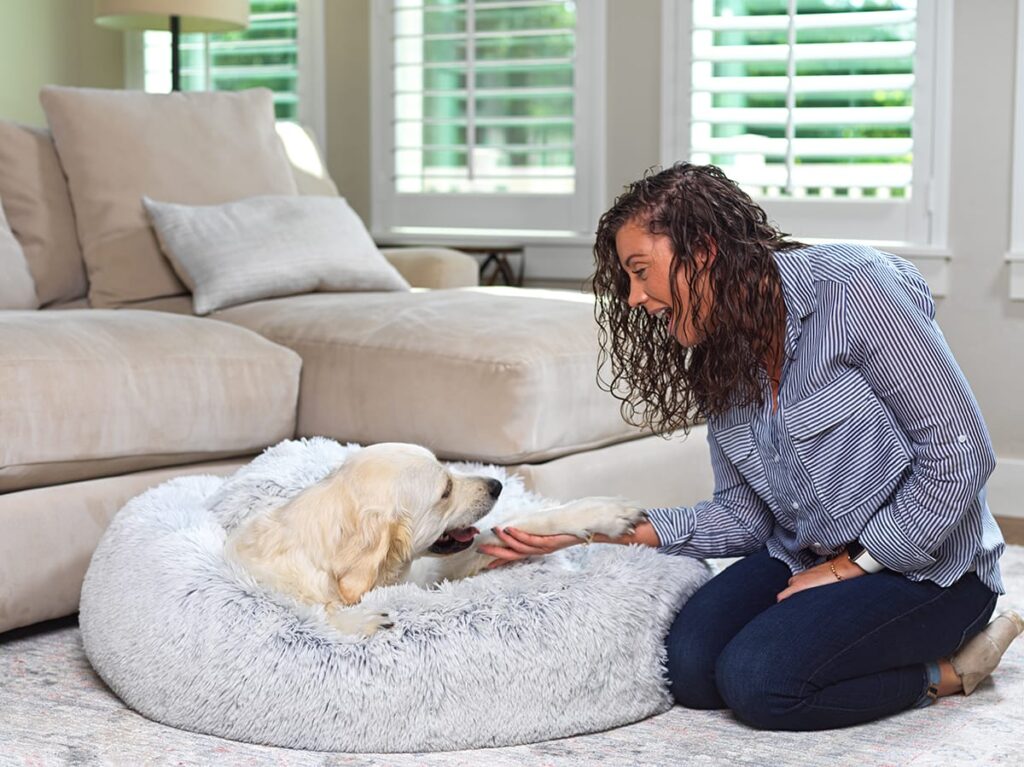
x=562 y=645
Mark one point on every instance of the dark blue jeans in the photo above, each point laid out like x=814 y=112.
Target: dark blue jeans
x=830 y=656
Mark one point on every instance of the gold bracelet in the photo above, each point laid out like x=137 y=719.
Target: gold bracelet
x=832 y=567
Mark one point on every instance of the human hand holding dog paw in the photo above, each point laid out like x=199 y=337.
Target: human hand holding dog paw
x=519 y=544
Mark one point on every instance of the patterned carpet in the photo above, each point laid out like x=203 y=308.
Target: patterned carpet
x=55 y=711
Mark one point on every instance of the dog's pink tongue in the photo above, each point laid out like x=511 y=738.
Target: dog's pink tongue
x=463 y=534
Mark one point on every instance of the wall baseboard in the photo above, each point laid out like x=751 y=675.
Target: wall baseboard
x=1006 y=488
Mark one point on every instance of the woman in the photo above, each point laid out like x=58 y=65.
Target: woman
x=849 y=454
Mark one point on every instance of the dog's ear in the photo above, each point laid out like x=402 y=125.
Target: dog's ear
x=372 y=554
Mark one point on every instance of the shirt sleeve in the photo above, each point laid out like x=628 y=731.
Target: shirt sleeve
x=736 y=521
x=904 y=357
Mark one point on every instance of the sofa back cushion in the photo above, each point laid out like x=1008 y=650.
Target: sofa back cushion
x=17 y=290
x=263 y=247
x=39 y=212
x=194 y=148
x=307 y=160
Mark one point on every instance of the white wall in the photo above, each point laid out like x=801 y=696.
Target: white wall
x=45 y=41
x=347 y=66
x=52 y=42
x=984 y=328
x=56 y=41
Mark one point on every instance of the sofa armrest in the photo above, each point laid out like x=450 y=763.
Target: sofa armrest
x=434 y=267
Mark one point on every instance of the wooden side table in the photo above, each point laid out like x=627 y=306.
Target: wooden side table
x=498 y=256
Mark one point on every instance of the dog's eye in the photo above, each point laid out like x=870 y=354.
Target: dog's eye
x=447 y=489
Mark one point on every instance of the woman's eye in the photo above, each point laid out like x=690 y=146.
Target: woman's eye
x=641 y=274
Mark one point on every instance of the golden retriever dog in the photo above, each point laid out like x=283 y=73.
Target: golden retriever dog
x=368 y=522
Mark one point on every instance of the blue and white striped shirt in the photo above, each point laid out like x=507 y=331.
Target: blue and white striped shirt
x=877 y=437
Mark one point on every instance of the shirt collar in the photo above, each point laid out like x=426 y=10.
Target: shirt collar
x=798 y=292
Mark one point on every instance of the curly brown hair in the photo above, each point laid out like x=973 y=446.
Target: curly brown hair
x=663 y=385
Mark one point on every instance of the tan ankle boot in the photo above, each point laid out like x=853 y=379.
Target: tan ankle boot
x=979 y=657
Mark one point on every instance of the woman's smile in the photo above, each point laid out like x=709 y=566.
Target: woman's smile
x=647 y=260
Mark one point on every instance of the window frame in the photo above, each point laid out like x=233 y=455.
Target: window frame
x=1015 y=256
x=919 y=225
x=312 y=91
x=455 y=215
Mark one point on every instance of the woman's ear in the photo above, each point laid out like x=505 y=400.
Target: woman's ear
x=375 y=552
x=706 y=256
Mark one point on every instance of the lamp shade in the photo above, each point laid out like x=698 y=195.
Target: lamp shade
x=195 y=15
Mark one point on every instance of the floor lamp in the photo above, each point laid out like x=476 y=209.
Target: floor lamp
x=178 y=16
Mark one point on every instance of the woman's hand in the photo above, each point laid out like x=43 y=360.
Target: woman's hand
x=520 y=545
x=822 y=575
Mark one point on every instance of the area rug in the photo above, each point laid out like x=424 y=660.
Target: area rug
x=55 y=711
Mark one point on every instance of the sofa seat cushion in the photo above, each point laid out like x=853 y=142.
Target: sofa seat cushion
x=91 y=393
x=502 y=375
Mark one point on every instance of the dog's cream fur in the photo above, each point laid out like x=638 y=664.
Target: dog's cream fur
x=366 y=523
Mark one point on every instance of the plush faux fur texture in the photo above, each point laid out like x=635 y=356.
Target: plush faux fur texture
x=566 y=644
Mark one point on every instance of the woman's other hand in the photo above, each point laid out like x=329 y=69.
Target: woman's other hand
x=822 y=575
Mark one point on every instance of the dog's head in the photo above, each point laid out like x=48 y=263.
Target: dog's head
x=386 y=505
x=440 y=507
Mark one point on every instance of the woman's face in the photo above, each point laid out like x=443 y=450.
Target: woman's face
x=647 y=259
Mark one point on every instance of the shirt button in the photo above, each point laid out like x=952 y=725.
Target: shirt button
x=962 y=438
x=795 y=505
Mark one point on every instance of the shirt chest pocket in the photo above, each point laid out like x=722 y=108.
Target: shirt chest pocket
x=847 y=442
x=737 y=442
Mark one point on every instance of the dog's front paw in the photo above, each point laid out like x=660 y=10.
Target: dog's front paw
x=612 y=517
x=356 y=620
x=584 y=518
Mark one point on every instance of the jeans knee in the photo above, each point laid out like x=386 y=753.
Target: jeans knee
x=690 y=664
x=755 y=686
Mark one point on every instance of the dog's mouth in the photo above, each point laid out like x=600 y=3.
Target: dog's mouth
x=453 y=541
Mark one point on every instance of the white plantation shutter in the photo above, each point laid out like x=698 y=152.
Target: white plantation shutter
x=481 y=125
x=823 y=110
x=805 y=103
x=488 y=105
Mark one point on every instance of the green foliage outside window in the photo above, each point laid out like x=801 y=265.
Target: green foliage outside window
x=528 y=127
x=873 y=65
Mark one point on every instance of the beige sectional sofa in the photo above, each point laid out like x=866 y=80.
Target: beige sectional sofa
x=98 y=404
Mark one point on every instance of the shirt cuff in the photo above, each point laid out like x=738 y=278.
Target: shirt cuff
x=866 y=562
x=890 y=545
x=674 y=526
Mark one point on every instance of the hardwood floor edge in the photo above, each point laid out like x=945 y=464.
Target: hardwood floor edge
x=1013 y=529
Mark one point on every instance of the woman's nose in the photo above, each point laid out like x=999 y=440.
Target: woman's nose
x=636 y=295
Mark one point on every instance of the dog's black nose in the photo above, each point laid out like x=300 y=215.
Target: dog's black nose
x=493 y=488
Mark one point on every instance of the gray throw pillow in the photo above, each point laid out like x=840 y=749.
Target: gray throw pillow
x=17 y=288
x=263 y=247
